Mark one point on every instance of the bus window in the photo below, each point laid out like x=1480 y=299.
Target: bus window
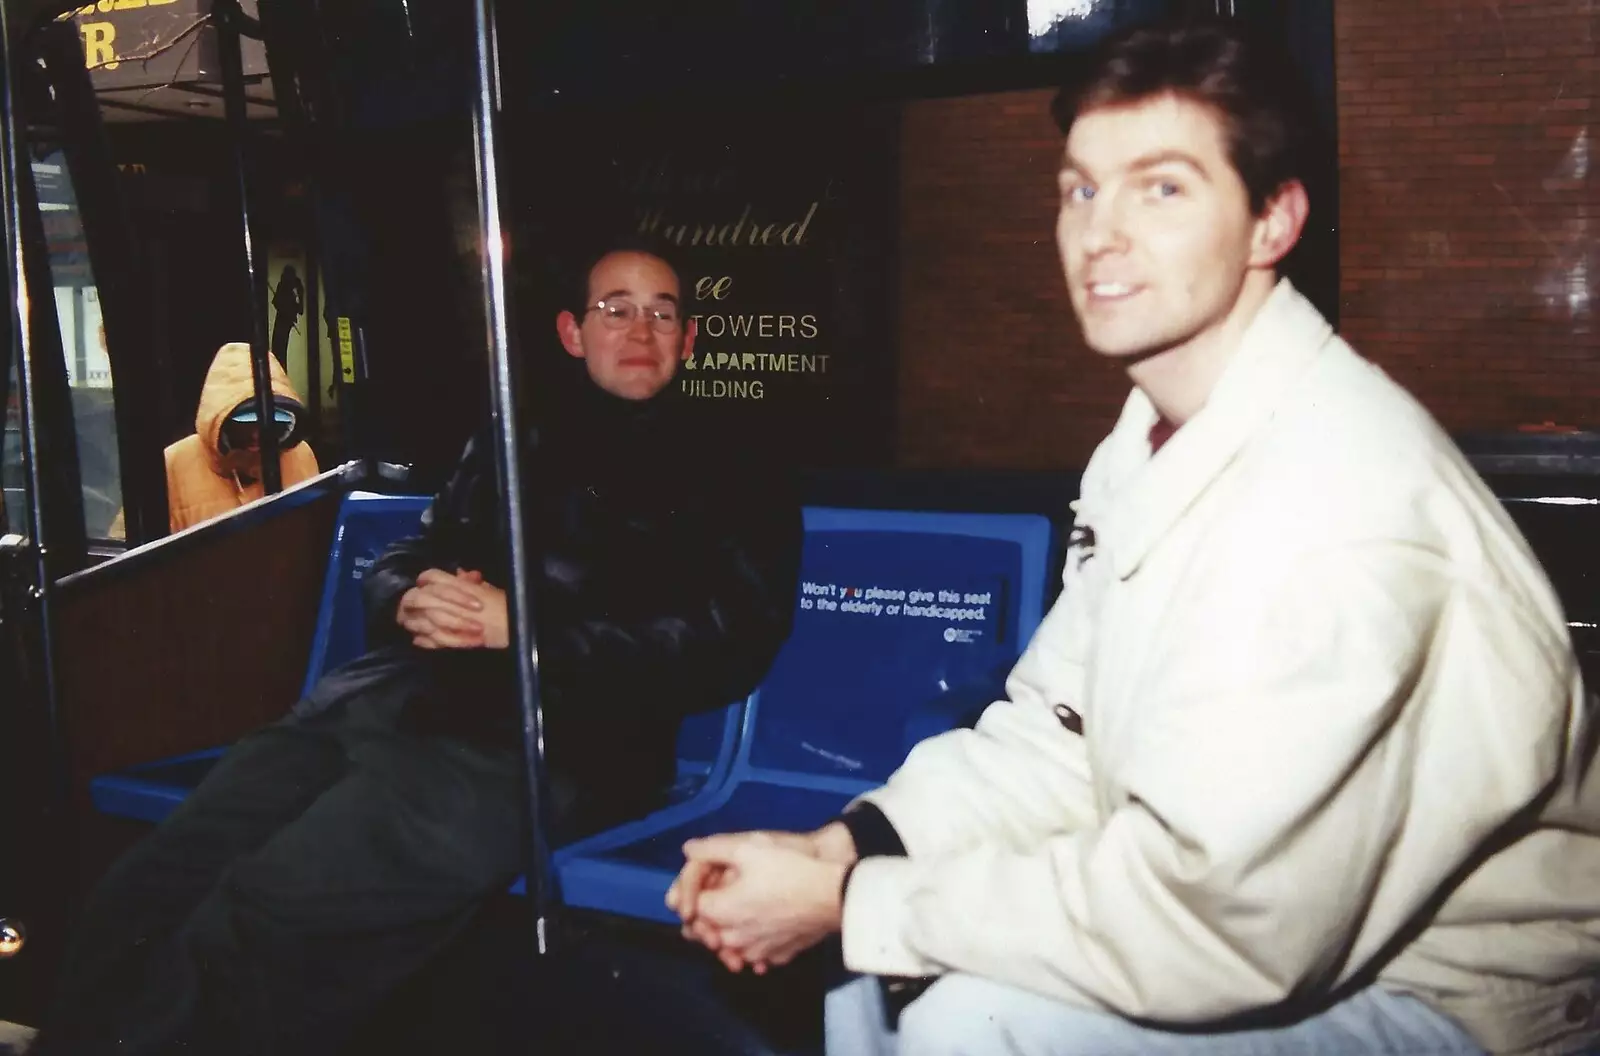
x=83 y=342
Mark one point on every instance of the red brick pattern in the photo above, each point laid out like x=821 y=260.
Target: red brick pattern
x=993 y=372
x=1469 y=206
x=1469 y=215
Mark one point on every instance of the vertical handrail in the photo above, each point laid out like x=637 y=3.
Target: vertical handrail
x=10 y=220
x=50 y=424
x=284 y=38
x=226 y=17
x=16 y=196
x=324 y=115
x=313 y=310
x=540 y=873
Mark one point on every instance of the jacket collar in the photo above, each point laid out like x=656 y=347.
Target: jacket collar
x=1148 y=495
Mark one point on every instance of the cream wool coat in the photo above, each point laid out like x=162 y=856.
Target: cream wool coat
x=1332 y=724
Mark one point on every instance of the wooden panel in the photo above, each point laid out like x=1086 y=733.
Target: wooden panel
x=189 y=652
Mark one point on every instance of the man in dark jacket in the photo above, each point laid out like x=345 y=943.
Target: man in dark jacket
x=329 y=856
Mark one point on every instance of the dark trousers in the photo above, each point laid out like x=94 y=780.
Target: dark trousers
x=321 y=863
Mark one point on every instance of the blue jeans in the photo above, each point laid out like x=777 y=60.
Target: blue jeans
x=962 y=1015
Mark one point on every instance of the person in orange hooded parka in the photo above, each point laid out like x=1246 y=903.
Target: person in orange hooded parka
x=217 y=468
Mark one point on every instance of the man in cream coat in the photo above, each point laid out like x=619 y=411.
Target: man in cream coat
x=1300 y=761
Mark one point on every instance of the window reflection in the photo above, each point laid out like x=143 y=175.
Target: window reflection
x=1066 y=25
x=83 y=344
x=1046 y=15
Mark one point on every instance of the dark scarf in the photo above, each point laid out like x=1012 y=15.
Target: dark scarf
x=592 y=436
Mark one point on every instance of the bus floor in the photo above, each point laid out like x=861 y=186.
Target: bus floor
x=611 y=986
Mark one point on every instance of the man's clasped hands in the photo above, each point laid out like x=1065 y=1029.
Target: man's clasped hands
x=759 y=899
x=454 y=610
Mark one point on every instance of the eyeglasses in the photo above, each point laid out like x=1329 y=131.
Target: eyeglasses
x=619 y=314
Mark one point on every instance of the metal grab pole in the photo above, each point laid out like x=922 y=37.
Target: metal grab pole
x=25 y=312
x=227 y=17
x=286 y=67
x=540 y=876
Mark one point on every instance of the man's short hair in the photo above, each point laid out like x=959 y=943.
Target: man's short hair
x=577 y=294
x=1265 y=108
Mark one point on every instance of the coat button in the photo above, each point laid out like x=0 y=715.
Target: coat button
x=1069 y=718
x=1579 y=1008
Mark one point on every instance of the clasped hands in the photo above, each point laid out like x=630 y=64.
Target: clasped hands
x=759 y=899
x=454 y=610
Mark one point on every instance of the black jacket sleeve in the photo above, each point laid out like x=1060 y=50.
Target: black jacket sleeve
x=872 y=832
x=454 y=535
x=705 y=632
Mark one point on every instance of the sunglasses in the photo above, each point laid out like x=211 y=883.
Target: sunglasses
x=244 y=434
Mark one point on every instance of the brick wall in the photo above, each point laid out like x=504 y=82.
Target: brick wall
x=1469 y=211
x=1468 y=251
x=993 y=372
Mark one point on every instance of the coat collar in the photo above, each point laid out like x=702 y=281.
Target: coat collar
x=1146 y=496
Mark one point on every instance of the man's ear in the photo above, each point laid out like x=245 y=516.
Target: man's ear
x=1279 y=226
x=571 y=334
x=689 y=331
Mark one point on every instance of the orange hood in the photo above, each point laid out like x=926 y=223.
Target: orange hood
x=229 y=383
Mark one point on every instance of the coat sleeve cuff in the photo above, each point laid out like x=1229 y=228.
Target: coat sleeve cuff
x=871 y=831
x=876 y=919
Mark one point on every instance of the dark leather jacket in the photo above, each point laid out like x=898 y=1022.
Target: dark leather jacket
x=668 y=561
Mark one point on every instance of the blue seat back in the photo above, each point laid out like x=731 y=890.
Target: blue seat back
x=367 y=524
x=906 y=624
x=701 y=739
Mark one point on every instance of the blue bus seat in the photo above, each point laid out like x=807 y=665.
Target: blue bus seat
x=906 y=624
x=367 y=523
x=151 y=791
